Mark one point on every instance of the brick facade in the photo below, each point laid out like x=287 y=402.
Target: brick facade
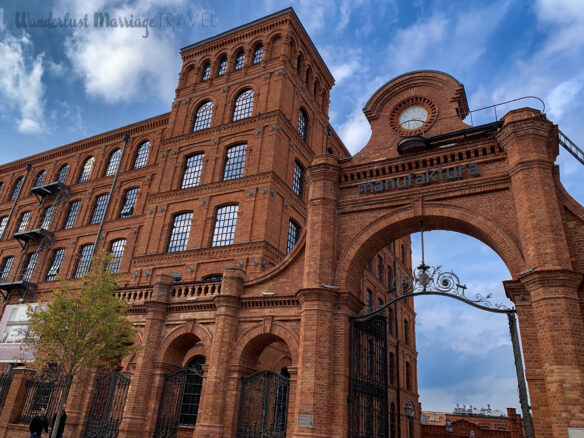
x=243 y=302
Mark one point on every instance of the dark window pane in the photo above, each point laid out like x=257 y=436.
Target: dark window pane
x=369 y=300
x=293 y=231
x=193 y=169
x=302 y=124
x=258 y=54
x=379 y=268
x=40 y=178
x=297 y=179
x=203 y=116
x=16 y=188
x=179 y=236
x=62 y=174
x=234 y=162
x=86 y=171
x=142 y=155
x=192 y=392
x=243 y=107
x=71 y=215
x=55 y=264
x=129 y=202
x=5 y=270
x=117 y=250
x=206 y=74
x=84 y=261
x=114 y=163
x=222 y=66
x=225 y=221
x=239 y=60
x=99 y=209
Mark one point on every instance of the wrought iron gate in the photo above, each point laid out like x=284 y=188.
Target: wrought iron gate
x=263 y=408
x=5 y=382
x=180 y=401
x=107 y=406
x=368 y=396
x=42 y=391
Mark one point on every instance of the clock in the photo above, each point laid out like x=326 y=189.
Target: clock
x=413 y=117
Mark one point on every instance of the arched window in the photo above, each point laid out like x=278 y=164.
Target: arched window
x=380 y=268
x=84 y=261
x=142 y=155
x=29 y=267
x=99 y=209
x=40 y=178
x=71 y=215
x=179 y=235
x=225 y=222
x=392 y=421
x=369 y=300
x=234 y=162
x=16 y=188
x=243 y=107
x=389 y=278
x=297 y=179
x=239 y=60
x=3 y=223
x=192 y=172
x=302 y=123
x=1 y=186
x=203 y=116
x=5 y=269
x=86 y=170
x=298 y=63
x=117 y=250
x=406 y=332
x=315 y=89
x=408 y=376
x=62 y=173
x=293 y=232
x=22 y=225
x=258 y=53
x=307 y=76
x=130 y=197
x=390 y=321
x=206 y=73
x=113 y=163
x=391 y=368
x=192 y=392
x=222 y=66
x=58 y=255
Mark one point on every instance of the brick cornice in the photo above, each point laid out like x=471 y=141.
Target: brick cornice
x=556 y=278
x=317 y=295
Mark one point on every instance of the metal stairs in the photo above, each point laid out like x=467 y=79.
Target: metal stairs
x=571 y=147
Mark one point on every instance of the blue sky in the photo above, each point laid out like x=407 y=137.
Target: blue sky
x=60 y=85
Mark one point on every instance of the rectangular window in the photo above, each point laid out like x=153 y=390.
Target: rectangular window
x=99 y=209
x=48 y=217
x=391 y=369
x=129 y=203
x=84 y=262
x=17 y=323
x=193 y=169
x=3 y=223
x=29 y=268
x=117 y=250
x=408 y=377
x=406 y=332
x=379 y=268
x=293 y=230
x=389 y=278
x=225 y=222
x=390 y=321
x=369 y=301
x=297 y=179
x=179 y=236
x=234 y=162
x=55 y=264
x=5 y=270
x=23 y=222
x=71 y=215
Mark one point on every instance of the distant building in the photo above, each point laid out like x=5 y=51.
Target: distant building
x=469 y=421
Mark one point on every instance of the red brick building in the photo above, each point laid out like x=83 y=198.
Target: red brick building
x=246 y=231
x=214 y=191
x=479 y=426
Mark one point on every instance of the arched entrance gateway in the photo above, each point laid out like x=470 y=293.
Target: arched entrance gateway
x=496 y=182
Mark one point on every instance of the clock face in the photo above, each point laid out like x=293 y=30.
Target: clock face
x=413 y=117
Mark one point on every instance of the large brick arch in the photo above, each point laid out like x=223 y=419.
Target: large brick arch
x=178 y=339
x=405 y=221
x=260 y=337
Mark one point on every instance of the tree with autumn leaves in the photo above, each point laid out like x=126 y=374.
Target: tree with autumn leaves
x=83 y=326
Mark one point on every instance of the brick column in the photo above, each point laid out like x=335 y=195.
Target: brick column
x=15 y=398
x=140 y=404
x=213 y=419
x=552 y=287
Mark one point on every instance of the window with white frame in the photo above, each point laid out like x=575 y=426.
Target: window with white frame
x=84 y=261
x=206 y=74
x=71 y=215
x=179 y=235
x=129 y=203
x=16 y=188
x=99 y=209
x=117 y=250
x=5 y=268
x=203 y=116
x=192 y=172
x=293 y=232
x=17 y=324
x=40 y=178
x=222 y=66
x=239 y=60
x=225 y=222
x=113 y=163
x=48 y=215
x=297 y=179
x=142 y=155
x=258 y=53
x=86 y=170
x=234 y=162
x=62 y=173
x=23 y=222
x=55 y=264
x=29 y=267
x=3 y=223
x=243 y=107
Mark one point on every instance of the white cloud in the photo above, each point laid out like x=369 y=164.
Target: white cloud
x=355 y=131
x=563 y=96
x=21 y=82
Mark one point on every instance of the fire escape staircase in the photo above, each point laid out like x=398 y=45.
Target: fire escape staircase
x=571 y=147
x=59 y=192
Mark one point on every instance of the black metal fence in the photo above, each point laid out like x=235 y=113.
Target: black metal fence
x=263 y=409
x=368 y=397
x=42 y=391
x=5 y=382
x=107 y=406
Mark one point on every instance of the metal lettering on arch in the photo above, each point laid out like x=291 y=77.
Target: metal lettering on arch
x=368 y=397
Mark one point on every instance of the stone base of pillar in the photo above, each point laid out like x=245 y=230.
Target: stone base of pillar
x=206 y=430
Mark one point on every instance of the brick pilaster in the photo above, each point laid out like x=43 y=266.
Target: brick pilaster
x=15 y=398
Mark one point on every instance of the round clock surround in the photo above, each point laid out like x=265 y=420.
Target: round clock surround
x=413 y=116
